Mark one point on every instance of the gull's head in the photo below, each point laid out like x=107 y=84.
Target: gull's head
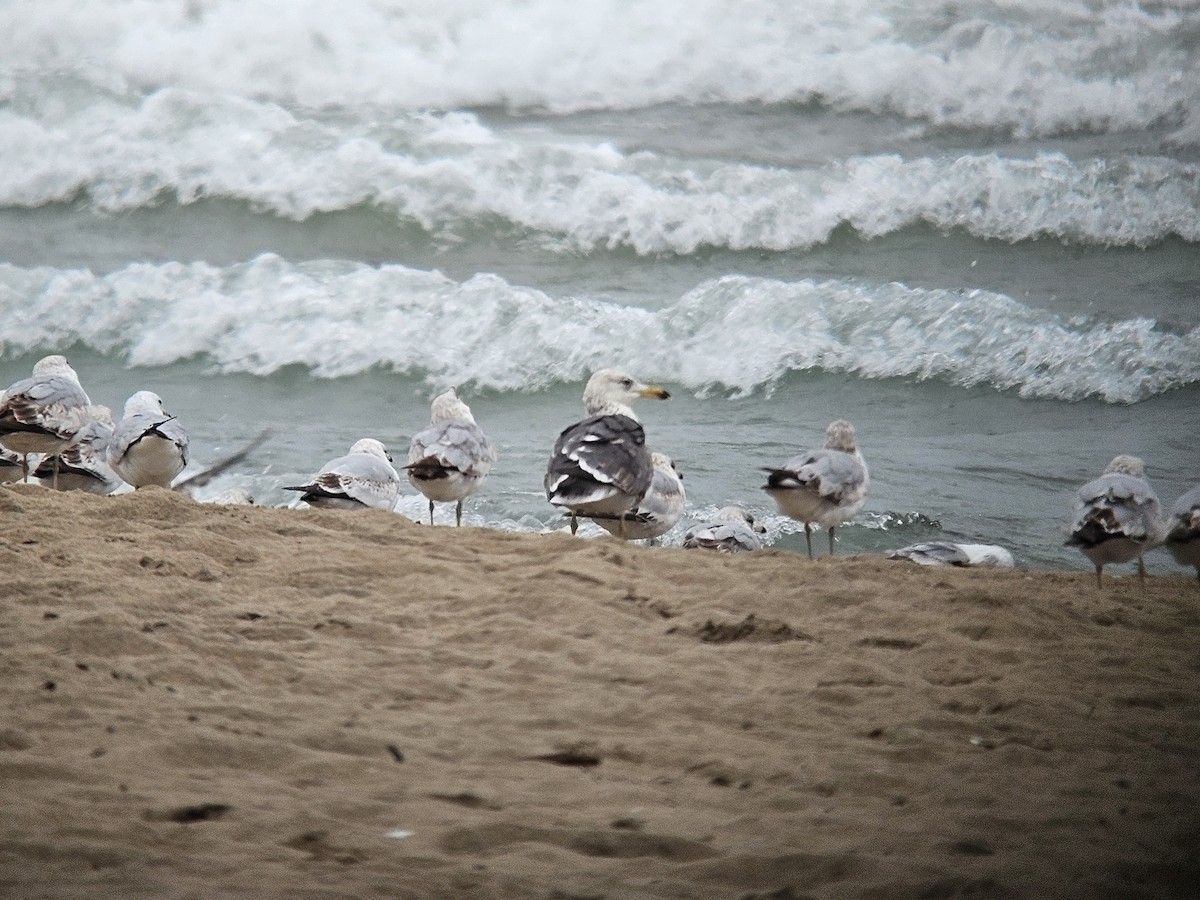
x=1126 y=465
x=737 y=515
x=840 y=435
x=234 y=496
x=54 y=365
x=144 y=402
x=446 y=407
x=611 y=392
x=371 y=447
x=664 y=463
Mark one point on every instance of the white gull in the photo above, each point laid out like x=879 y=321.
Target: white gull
x=363 y=478
x=658 y=511
x=148 y=446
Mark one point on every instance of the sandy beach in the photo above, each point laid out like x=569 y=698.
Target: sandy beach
x=206 y=701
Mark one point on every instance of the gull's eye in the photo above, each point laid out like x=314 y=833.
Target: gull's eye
x=626 y=383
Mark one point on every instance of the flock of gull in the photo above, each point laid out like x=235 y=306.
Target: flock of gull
x=600 y=469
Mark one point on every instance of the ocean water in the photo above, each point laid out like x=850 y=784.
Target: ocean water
x=973 y=229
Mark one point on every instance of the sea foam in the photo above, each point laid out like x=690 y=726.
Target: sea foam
x=1030 y=67
x=736 y=333
x=449 y=174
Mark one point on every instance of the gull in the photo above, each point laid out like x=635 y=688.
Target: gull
x=450 y=458
x=148 y=446
x=658 y=511
x=43 y=413
x=601 y=465
x=362 y=478
x=84 y=465
x=1117 y=517
x=1183 y=537
x=730 y=530
x=826 y=486
x=10 y=465
x=234 y=496
x=949 y=553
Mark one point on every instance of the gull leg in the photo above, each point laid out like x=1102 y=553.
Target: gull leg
x=458 y=514
x=831 y=527
x=1141 y=573
x=808 y=538
x=430 y=512
x=621 y=527
x=1099 y=570
x=25 y=468
x=574 y=523
x=56 y=475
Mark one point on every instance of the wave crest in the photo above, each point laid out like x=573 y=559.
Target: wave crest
x=449 y=174
x=1026 y=66
x=735 y=333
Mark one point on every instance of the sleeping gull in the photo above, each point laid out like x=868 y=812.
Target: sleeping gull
x=362 y=478
x=84 y=465
x=1183 y=538
x=42 y=414
x=826 y=486
x=730 y=530
x=1117 y=517
x=658 y=511
x=600 y=465
x=148 y=446
x=450 y=458
x=949 y=553
x=234 y=496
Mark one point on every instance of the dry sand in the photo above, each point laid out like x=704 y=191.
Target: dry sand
x=233 y=702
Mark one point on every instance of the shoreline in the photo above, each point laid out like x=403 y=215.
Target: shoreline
x=244 y=701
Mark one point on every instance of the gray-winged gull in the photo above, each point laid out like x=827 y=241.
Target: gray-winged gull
x=1117 y=517
x=84 y=465
x=731 y=529
x=950 y=553
x=43 y=413
x=601 y=465
x=1183 y=535
x=11 y=463
x=450 y=458
x=826 y=486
